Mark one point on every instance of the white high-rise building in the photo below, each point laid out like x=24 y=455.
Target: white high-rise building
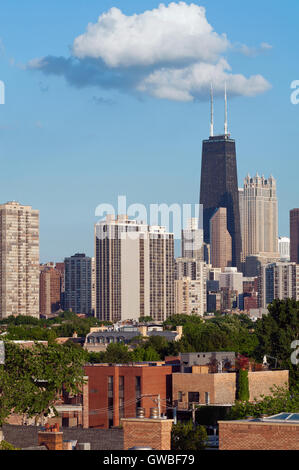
x=284 y=248
x=231 y=279
x=134 y=270
x=192 y=240
x=19 y=260
x=259 y=216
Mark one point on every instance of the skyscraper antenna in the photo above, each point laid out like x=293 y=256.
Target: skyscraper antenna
x=212 y=113
x=225 y=121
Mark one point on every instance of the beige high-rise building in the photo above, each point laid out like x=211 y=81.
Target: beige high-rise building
x=134 y=270
x=19 y=260
x=259 y=217
x=220 y=240
x=190 y=286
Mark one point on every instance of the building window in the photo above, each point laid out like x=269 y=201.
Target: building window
x=138 y=391
x=121 y=396
x=110 y=401
x=193 y=397
x=180 y=396
x=207 y=398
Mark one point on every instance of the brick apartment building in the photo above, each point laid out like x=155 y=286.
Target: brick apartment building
x=116 y=391
x=204 y=388
x=49 y=289
x=211 y=378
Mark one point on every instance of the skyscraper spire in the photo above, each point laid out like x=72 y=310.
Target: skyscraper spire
x=212 y=113
x=225 y=120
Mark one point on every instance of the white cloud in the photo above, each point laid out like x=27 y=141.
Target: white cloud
x=194 y=82
x=254 y=51
x=168 y=34
x=171 y=52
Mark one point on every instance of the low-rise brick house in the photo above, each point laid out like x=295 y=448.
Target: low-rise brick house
x=202 y=382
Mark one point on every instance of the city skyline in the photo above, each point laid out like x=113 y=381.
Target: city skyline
x=70 y=153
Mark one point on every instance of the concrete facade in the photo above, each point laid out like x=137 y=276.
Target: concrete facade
x=259 y=209
x=133 y=257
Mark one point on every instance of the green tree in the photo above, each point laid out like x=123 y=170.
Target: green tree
x=223 y=333
x=276 y=332
x=4 y=445
x=30 y=333
x=32 y=377
x=281 y=400
x=181 y=320
x=146 y=319
x=185 y=437
x=243 y=385
x=145 y=354
x=117 y=353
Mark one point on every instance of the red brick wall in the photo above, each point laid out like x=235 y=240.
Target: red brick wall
x=234 y=435
x=152 y=433
x=154 y=380
x=85 y=408
x=53 y=440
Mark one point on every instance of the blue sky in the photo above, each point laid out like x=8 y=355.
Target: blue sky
x=65 y=149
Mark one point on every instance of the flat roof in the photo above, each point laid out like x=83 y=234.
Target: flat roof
x=280 y=418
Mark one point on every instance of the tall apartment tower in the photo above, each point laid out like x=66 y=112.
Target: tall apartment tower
x=278 y=281
x=220 y=240
x=219 y=184
x=294 y=235
x=78 y=284
x=190 y=286
x=134 y=270
x=50 y=289
x=61 y=268
x=260 y=217
x=19 y=260
x=93 y=285
x=192 y=240
x=190 y=296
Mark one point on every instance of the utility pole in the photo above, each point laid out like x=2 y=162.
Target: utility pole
x=174 y=415
x=193 y=414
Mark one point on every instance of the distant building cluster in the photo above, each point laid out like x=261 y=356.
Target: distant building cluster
x=231 y=260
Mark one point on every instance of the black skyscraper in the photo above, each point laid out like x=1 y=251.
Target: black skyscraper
x=219 y=188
